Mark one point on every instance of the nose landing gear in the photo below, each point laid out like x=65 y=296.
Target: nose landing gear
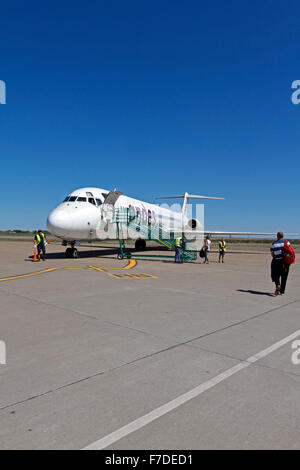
x=71 y=252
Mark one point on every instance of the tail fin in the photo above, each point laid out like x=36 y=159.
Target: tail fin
x=188 y=196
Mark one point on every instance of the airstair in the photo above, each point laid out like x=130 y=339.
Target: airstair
x=130 y=225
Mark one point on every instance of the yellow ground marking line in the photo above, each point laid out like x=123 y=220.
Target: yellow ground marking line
x=97 y=269
x=131 y=264
x=28 y=275
x=132 y=276
x=160 y=241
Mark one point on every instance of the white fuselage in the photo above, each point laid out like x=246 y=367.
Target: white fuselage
x=85 y=215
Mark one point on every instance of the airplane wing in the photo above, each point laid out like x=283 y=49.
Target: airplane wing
x=220 y=232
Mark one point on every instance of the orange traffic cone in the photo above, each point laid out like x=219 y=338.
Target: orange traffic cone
x=34 y=255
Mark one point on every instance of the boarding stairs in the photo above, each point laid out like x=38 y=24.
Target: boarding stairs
x=129 y=225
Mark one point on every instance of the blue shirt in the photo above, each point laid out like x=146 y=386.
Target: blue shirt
x=277 y=249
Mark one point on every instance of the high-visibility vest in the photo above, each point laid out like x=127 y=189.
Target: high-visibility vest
x=38 y=239
x=222 y=246
x=178 y=242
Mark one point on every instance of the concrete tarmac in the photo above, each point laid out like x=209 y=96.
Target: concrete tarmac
x=91 y=351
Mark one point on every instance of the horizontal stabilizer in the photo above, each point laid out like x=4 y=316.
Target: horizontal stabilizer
x=188 y=196
x=191 y=196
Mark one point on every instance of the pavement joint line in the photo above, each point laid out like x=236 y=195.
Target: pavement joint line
x=147 y=356
x=177 y=344
x=113 y=369
x=98 y=374
x=254 y=317
x=83 y=379
x=162 y=410
x=261 y=366
x=187 y=343
x=50 y=304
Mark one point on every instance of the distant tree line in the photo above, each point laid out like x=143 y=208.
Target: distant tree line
x=22 y=231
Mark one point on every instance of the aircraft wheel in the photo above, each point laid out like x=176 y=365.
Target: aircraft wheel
x=74 y=253
x=140 y=244
x=120 y=256
x=68 y=253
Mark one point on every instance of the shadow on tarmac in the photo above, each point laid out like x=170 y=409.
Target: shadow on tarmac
x=255 y=292
x=96 y=252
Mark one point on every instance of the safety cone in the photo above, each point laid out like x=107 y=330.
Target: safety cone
x=34 y=255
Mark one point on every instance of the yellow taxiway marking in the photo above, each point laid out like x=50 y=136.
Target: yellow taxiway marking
x=131 y=264
x=28 y=275
x=97 y=269
x=132 y=276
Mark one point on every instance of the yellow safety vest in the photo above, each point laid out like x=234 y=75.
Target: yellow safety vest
x=222 y=246
x=38 y=239
x=178 y=242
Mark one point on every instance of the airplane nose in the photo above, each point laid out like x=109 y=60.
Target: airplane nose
x=59 y=222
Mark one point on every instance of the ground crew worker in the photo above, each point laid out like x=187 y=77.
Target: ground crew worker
x=178 y=245
x=279 y=271
x=40 y=243
x=222 y=250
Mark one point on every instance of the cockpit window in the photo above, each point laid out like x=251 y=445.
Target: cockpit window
x=67 y=198
x=92 y=200
x=99 y=202
x=72 y=198
x=81 y=199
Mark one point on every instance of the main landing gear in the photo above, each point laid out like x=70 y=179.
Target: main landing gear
x=71 y=253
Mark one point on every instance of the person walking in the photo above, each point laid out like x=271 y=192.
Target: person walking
x=206 y=249
x=222 y=250
x=280 y=268
x=40 y=243
x=178 y=245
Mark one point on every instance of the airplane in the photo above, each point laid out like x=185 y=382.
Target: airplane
x=90 y=213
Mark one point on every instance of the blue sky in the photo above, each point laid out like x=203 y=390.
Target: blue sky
x=153 y=98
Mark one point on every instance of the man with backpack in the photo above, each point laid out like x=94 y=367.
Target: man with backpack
x=283 y=256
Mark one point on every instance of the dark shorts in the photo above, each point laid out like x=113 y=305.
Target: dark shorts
x=222 y=252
